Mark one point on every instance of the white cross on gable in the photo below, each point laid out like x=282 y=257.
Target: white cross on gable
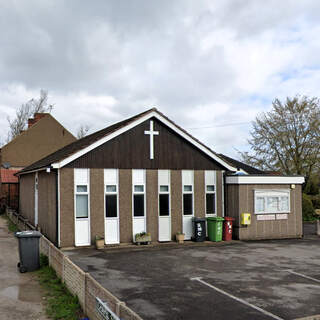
x=151 y=133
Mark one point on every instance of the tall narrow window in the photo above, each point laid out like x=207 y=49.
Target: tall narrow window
x=111 y=192
x=187 y=189
x=210 y=189
x=164 y=192
x=111 y=201
x=138 y=189
x=138 y=200
x=82 y=203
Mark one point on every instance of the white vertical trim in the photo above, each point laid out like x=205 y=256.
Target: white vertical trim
x=209 y=180
x=111 y=177
x=139 y=178
x=82 y=177
x=188 y=179
x=222 y=195
x=164 y=179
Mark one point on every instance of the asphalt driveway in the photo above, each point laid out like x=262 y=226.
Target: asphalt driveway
x=244 y=280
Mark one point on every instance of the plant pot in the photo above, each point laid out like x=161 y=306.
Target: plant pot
x=180 y=238
x=145 y=239
x=100 y=244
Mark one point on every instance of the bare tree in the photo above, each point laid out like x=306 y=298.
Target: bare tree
x=287 y=139
x=82 y=131
x=26 y=111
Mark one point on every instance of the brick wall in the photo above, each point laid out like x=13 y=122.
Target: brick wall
x=83 y=286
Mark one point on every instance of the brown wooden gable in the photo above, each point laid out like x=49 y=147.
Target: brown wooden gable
x=131 y=150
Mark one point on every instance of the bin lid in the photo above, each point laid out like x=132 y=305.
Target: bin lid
x=196 y=219
x=28 y=234
x=215 y=218
x=228 y=218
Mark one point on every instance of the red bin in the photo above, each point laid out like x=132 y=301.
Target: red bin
x=227 y=228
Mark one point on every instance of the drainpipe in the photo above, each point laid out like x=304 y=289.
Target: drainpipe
x=57 y=207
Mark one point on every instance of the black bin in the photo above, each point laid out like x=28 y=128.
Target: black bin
x=28 y=250
x=199 y=229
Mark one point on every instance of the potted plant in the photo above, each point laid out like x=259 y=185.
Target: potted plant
x=180 y=237
x=143 y=238
x=99 y=242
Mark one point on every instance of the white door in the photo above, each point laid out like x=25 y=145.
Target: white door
x=111 y=227
x=164 y=205
x=138 y=202
x=210 y=191
x=187 y=203
x=36 y=213
x=82 y=207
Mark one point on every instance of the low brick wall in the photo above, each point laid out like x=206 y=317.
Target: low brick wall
x=21 y=222
x=80 y=283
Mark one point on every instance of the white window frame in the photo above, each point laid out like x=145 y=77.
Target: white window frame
x=188 y=192
x=111 y=183
x=81 y=193
x=139 y=192
x=164 y=192
x=209 y=183
x=265 y=193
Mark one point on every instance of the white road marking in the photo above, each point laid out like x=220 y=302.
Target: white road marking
x=303 y=275
x=199 y=279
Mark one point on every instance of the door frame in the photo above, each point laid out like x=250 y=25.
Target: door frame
x=168 y=183
x=188 y=192
x=75 y=183
x=116 y=183
x=141 y=182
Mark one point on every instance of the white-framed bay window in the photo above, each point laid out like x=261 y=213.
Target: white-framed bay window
x=271 y=201
x=210 y=192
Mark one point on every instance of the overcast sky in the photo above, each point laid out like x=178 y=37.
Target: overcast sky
x=211 y=66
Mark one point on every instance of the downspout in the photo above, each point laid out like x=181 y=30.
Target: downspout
x=58 y=207
x=224 y=193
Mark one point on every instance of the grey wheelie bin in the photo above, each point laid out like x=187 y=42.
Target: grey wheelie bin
x=28 y=250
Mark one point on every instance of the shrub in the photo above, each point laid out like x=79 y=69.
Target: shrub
x=308 y=212
x=316 y=201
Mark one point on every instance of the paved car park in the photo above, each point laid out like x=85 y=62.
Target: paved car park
x=242 y=280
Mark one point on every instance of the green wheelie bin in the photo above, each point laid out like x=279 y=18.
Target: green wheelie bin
x=215 y=227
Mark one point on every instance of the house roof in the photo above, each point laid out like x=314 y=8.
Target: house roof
x=39 y=140
x=8 y=176
x=240 y=165
x=76 y=149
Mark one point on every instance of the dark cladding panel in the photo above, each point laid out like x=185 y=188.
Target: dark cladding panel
x=131 y=149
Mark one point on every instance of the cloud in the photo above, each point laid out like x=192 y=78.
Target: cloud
x=202 y=63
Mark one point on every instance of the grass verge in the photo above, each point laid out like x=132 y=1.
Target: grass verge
x=60 y=303
x=11 y=226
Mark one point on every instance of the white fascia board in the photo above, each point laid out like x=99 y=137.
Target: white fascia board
x=32 y=171
x=264 y=180
x=134 y=124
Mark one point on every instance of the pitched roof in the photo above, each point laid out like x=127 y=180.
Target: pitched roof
x=8 y=176
x=240 y=165
x=89 y=140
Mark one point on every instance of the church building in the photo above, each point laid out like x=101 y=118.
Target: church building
x=148 y=174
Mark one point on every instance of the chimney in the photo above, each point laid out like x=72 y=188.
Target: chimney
x=35 y=119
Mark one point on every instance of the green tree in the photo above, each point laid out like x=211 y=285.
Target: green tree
x=287 y=138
